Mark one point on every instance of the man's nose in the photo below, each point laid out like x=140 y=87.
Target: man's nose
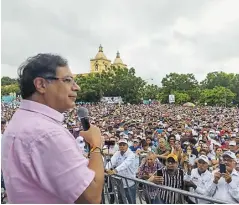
x=76 y=87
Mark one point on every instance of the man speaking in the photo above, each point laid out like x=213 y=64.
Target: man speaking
x=41 y=161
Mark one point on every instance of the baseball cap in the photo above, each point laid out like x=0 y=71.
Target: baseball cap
x=173 y=156
x=123 y=141
x=135 y=140
x=232 y=143
x=233 y=135
x=125 y=137
x=170 y=129
x=204 y=158
x=230 y=154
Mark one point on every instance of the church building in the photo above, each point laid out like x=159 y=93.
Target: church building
x=102 y=63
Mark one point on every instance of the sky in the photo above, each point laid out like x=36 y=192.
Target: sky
x=155 y=37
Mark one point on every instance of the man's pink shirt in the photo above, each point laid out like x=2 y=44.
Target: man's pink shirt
x=41 y=161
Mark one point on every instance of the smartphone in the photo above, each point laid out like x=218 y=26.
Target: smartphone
x=160 y=172
x=222 y=168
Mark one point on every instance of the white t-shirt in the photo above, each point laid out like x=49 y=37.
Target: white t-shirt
x=81 y=143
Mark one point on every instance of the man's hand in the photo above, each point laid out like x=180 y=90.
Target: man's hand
x=189 y=168
x=138 y=151
x=217 y=176
x=92 y=136
x=158 y=180
x=150 y=175
x=227 y=177
x=111 y=172
x=190 y=184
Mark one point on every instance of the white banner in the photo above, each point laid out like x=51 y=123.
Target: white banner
x=111 y=100
x=171 y=98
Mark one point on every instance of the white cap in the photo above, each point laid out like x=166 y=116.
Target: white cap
x=234 y=135
x=230 y=154
x=123 y=141
x=178 y=137
x=130 y=132
x=125 y=137
x=106 y=133
x=122 y=134
x=204 y=158
x=170 y=129
x=135 y=140
x=232 y=143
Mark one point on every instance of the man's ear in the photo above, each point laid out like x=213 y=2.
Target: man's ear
x=40 y=85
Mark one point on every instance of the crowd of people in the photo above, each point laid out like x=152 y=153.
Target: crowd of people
x=189 y=145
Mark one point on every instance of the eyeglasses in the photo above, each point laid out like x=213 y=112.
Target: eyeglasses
x=67 y=80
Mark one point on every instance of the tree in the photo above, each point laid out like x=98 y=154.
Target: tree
x=222 y=79
x=234 y=87
x=214 y=79
x=182 y=83
x=116 y=82
x=150 y=92
x=217 y=96
x=7 y=89
x=181 y=98
x=7 y=81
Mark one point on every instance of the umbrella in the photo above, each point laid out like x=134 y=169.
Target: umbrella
x=189 y=104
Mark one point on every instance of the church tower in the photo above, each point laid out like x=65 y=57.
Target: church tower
x=100 y=62
x=118 y=61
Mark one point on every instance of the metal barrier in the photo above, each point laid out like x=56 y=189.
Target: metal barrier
x=117 y=190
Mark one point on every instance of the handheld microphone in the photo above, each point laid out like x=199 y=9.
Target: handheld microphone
x=83 y=116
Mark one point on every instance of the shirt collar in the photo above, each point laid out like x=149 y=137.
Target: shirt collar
x=42 y=109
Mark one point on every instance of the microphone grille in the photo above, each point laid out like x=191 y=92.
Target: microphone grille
x=82 y=112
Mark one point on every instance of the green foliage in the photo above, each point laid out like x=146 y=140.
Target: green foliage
x=7 y=81
x=184 y=85
x=116 y=82
x=218 y=88
x=215 y=79
x=150 y=92
x=7 y=89
x=217 y=96
x=181 y=98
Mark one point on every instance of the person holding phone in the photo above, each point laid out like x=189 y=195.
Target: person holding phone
x=171 y=176
x=199 y=180
x=226 y=179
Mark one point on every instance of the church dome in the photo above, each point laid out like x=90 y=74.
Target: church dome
x=100 y=54
x=118 y=59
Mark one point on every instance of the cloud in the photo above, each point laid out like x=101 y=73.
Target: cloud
x=154 y=37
